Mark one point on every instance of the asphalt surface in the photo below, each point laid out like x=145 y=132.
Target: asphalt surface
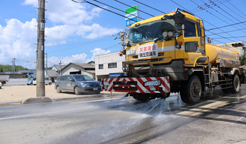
x=218 y=118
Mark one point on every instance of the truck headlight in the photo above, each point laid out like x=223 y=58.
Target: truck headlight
x=152 y=83
x=130 y=52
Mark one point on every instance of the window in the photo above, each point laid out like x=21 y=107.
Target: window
x=198 y=29
x=100 y=66
x=190 y=29
x=70 y=78
x=63 y=78
x=83 y=78
x=112 y=65
x=191 y=46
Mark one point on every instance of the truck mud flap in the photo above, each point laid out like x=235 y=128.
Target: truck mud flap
x=136 y=84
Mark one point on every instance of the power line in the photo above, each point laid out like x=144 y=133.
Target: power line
x=231 y=37
x=224 y=11
x=212 y=13
x=231 y=31
x=115 y=8
x=104 y=9
x=134 y=8
x=148 y=6
x=237 y=8
x=226 y=26
x=203 y=19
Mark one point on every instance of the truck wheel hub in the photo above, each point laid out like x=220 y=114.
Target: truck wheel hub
x=195 y=89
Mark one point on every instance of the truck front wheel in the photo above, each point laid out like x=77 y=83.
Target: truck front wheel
x=191 y=93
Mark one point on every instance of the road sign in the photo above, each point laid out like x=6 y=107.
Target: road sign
x=131 y=15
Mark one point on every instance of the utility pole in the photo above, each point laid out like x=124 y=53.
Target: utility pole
x=40 y=88
x=13 y=65
x=60 y=68
x=46 y=61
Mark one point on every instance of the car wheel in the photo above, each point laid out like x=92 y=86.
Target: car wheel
x=58 y=90
x=50 y=83
x=76 y=91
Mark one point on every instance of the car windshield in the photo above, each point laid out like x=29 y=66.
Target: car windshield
x=150 y=31
x=83 y=78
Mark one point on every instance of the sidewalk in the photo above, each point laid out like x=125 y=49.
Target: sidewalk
x=16 y=94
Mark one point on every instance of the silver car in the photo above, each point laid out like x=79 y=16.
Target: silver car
x=77 y=84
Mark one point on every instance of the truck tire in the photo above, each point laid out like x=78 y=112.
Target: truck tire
x=191 y=93
x=235 y=84
x=141 y=97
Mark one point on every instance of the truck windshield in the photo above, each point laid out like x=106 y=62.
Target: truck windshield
x=150 y=31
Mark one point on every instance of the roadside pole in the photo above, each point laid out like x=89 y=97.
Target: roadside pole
x=40 y=85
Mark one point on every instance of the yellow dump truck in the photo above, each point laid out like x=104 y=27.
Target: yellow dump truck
x=168 y=53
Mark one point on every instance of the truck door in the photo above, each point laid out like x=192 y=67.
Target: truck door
x=194 y=45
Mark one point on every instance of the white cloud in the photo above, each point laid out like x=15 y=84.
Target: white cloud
x=95 y=31
x=17 y=40
x=69 y=19
x=31 y=2
x=81 y=58
x=97 y=51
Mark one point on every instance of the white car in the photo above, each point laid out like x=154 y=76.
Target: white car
x=1 y=84
x=46 y=80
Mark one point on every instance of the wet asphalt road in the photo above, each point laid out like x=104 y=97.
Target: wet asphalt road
x=218 y=118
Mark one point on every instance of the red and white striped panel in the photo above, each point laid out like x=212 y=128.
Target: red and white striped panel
x=165 y=84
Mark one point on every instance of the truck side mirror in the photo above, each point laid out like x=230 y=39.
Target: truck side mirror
x=179 y=19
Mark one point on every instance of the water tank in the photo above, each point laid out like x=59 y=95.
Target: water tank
x=214 y=52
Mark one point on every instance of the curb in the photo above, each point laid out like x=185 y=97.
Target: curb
x=36 y=100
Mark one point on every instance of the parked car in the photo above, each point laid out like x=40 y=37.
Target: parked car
x=33 y=81
x=30 y=81
x=1 y=84
x=4 y=79
x=77 y=84
x=46 y=81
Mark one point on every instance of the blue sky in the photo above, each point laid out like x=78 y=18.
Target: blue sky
x=77 y=32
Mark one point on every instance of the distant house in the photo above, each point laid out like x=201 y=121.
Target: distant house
x=79 y=68
x=91 y=62
x=52 y=75
x=28 y=73
x=58 y=68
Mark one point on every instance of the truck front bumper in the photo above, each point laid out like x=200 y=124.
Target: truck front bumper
x=136 y=84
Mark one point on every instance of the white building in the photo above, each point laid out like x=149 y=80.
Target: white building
x=108 y=63
x=241 y=49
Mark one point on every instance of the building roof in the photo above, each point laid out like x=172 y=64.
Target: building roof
x=82 y=65
x=52 y=73
x=58 y=67
x=27 y=71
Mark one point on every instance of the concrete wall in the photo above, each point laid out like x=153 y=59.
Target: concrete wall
x=74 y=68
x=19 y=81
x=108 y=58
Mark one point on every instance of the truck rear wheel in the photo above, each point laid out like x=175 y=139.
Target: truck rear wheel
x=235 y=84
x=141 y=97
x=191 y=93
